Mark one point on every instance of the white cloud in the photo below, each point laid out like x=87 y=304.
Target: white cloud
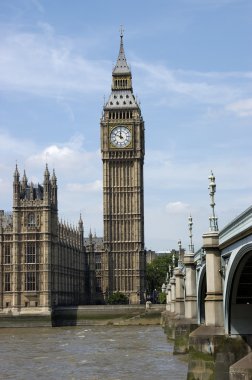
x=78 y=171
x=177 y=207
x=169 y=172
x=17 y=146
x=200 y=87
x=47 y=64
x=87 y=187
x=12 y=150
x=69 y=159
x=46 y=28
x=190 y=174
x=241 y=108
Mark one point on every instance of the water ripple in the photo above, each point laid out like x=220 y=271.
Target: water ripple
x=106 y=353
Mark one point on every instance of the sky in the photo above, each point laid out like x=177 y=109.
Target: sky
x=191 y=62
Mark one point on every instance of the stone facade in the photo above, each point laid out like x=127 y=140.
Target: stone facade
x=42 y=260
x=122 y=147
x=94 y=251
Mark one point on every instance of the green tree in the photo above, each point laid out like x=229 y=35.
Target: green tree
x=156 y=272
x=118 y=298
x=162 y=298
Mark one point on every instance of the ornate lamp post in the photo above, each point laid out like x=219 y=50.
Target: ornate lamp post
x=212 y=189
x=214 y=291
x=190 y=224
x=179 y=284
x=180 y=265
x=190 y=277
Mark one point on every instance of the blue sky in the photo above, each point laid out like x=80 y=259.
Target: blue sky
x=191 y=62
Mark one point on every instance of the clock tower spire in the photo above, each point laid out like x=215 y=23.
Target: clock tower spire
x=122 y=147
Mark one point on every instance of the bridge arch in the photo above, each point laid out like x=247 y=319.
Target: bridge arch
x=238 y=292
x=201 y=295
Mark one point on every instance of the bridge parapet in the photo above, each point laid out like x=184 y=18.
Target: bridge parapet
x=238 y=228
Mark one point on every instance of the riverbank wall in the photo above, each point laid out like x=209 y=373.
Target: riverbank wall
x=102 y=315
x=119 y=315
x=212 y=355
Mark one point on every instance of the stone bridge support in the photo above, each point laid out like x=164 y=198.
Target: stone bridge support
x=173 y=294
x=179 y=292
x=214 y=296
x=190 y=287
x=168 y=298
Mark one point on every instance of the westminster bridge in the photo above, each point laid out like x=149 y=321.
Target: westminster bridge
x=209 y=300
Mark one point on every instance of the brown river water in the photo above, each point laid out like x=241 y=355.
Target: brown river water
x=89 y=353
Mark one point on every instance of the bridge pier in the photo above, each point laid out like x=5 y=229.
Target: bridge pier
x=242 y=369
x=168 y=297
x=173 y=294
x=213 y=354
x=214 y=295
x=190 y=287
x=179 y=292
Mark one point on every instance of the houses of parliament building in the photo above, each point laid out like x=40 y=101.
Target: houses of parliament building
x=45 y=263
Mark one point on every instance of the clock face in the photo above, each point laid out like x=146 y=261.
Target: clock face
x=120 y=136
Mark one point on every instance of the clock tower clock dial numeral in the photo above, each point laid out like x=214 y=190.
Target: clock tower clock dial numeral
x=120 y=136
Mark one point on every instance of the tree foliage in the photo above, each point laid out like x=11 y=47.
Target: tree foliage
x=156 y=272
x=162 y=298
x=118 y=298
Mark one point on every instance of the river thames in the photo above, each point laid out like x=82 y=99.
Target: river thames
x=90 y=353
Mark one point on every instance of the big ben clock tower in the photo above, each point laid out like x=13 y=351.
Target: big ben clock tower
x=122 y=147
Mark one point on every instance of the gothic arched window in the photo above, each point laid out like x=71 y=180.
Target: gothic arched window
x=31 y=221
